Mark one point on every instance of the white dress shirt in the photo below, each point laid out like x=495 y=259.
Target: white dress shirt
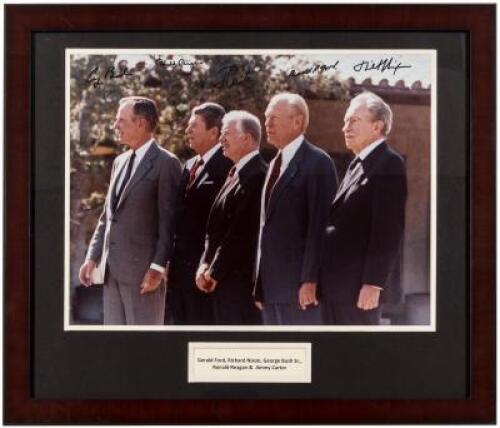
x=139 y=155
x=363 y=154
x=287 y=153
x=245 y=159
x=206 y=157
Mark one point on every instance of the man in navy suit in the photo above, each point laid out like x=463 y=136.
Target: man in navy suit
x=202 y=178
x=298 y=189
x=366 y=221
x=228 y=262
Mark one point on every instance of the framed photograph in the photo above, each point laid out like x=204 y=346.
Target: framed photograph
x=414 y=334
x=246 y=80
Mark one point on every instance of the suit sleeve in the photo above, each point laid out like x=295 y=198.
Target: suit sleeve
x=94 y=252
x=243 y=229
x=321 y=188
x=181 y=189
x=204 y=255
x=168 y=187
x=387 y=222
x=208 y=250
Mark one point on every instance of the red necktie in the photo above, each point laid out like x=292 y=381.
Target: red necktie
x=228 y=181
x=275 y=173
x=192 y=172
x=230 y=176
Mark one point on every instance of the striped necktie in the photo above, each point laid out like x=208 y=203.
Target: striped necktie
x=192 y=172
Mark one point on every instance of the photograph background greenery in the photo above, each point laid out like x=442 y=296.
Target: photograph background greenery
x=177 y=84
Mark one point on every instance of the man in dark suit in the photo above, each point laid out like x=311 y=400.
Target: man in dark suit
x=228 y=262
x=202 y=178
x=299 y=186
x=366 y=220
x=133 y=237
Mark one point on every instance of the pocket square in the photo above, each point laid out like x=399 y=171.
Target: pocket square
x=202 y=180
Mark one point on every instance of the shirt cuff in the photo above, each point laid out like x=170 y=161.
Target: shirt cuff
x=159 y=268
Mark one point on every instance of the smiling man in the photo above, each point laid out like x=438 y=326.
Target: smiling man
x=202 y=178
x=366 y=220
x=228 y=262
x=134 y=234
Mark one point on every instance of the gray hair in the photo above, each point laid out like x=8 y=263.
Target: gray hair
x=245 y=122
x=145 y=108
x=296 y=102
x=378 y=108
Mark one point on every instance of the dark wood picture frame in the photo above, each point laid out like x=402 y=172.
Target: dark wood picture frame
x=23 y=21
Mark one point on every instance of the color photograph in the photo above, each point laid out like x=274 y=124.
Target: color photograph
x=252 y=190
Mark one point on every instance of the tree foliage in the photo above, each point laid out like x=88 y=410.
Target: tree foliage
x=98 y=82
x=177 y=85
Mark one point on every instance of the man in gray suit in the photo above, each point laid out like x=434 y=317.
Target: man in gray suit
x=133 y=237
x=300 y=183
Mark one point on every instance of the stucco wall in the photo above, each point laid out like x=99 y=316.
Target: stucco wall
x=410 y=136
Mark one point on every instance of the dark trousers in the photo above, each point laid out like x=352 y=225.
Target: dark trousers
x=345 y=314
x=290 y=314
x=234 y=311
x=191 y=307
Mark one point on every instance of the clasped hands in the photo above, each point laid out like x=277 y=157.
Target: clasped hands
x=204 y=280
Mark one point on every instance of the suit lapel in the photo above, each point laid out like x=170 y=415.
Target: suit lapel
x=223 y=195
x=374 y=157
x=205 y=171
x=349 y=180
x=360 y=171
x=228 y=190
x=285 y=179
x=232 y=186
x=114 y=180
x=184 y=178
x=183 y=187
x=242 y=175
x=142 y=169
x=201 y=174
